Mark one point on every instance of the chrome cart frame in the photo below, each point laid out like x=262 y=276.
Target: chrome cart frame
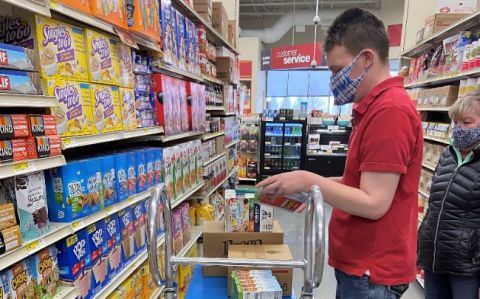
x=312 y=264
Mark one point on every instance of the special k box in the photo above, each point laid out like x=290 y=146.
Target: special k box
x=102 y=56
x=74 y=114
x=144 y=18
x=107 y=113
x=112 y=11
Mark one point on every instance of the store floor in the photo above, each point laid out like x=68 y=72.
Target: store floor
x=293 y=225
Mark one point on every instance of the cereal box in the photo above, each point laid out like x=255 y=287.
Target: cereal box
x=81 y=5
x=16 y=58
x=144 y=19
x=176 y=100
x=107 y=111
x=128 y=234
x=97 y=244
x=43 y=267
x=185 y=168
x=150 y=158
x=20 y=281
x=19 y=82
x=121 y=176
x=183 y=116
x=95 y=200
x=168 y=164
x=43 y=125
x=108 y=180
x=4 y=285
x=184 y=209
x=61 y=49
x=29 y=193
x=176 y=56
x=125 y=63
x=74 y=114
x=190 y=33
x=114 y=250
x=127 y=97
x=177 y=231
x=169 y=42
x=162 y=88
x=102 y=57
x=132 y=173
x=112 y=11
x=177 y=171
x=158 y=165
x=67 y=192
x=181 y=42
x=198 y=160
x=191 y=168
x=140 y=226
x=141 y=170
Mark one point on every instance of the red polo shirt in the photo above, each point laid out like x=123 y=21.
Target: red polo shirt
x=386 y=137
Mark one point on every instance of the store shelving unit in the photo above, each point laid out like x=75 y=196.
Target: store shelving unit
x=234 y=142
x=187 y=195
x=177 y=73
x=157 y=293
x=219 y=217
x=433 y=108
x=436 y=139
x=40 y=7
x=423 y=193
x=212 y=135
x=211 y=79
x=195 y=234
x=247 y=179
x=179 y=136
x=428 y=165
x=85 y=140
x=215 y=108
x=27 y=166
x=214 y=158
x=444 y=79
x=25 y=100
x=67 y=292
x=230 y=173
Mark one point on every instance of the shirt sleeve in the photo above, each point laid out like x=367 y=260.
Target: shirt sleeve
x=388 y=142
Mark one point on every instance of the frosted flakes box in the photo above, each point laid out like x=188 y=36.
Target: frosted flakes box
x=127 y=97
x=121 y=176
x=102 y=56
x=97 y=244
x=107 y=111
x=112 y=11
x=43 y=268
x=74 y=114
x=67 y=192
x=20 y=281
x=114 y=250
x=128 y=234
x=125 y=64
x=108 y=180
x=19 y=82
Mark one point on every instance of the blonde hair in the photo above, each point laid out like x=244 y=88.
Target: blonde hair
x=464 y=105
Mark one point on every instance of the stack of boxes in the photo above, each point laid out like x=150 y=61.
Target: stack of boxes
x=205 y=9
x=220 y=19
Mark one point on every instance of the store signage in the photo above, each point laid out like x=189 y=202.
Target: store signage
x=291 y=57
x=245 y=69
x=266 y=58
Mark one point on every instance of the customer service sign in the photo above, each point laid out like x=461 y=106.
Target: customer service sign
x=291 y=57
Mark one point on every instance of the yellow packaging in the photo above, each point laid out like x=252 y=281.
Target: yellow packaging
x=74 y=114
x=129 y=117
x=125 y=64
x=61 y=49
x=149 y=286
x=102 y=57
x=204 y=213
x=192 y=212
x=137 y=283
x=124 y=291
x=107 y=108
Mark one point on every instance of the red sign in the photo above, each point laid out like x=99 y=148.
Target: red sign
x=297 y=56
x=245 y=69
x=395 y=34
x=5 y=83
x=3 y=58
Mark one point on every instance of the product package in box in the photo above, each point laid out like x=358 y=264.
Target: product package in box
x=185 y=167
x=43 y=125
x=457 y=6
x=184 y=209
x=266 y=252
x=121 y=181
x=107 y=112
x=163 y=89
x=128 y=234
x=81 y=5
x=108 y=180
x=29 y=195
x=216 y=242
x=93 y=170
x=7 y=210
x=263 y=217
x=169 y=41
x=18 y=280
x=102 y=57
x=220 y=19
x=140 y=226
x=181 y=42
x=10 y=238
x=190 y=37
x=182 y=94
x=132 y=172
x=437 y=22
x=127 y=98
x=14 y=126
x=114 y=246
x=141 y=161
x=19 y=82
x=44 y=146
x=74 y=114
x=16 y=58
x=168 y=165
x=143 y=18
x=177 y=230
x=237 y=211
x=150 y=164
x=43 y=267
x=97 y=244
x=74 y=262
x=177 y=171
x=125 y=63
x=114 y=12
x=67 y=192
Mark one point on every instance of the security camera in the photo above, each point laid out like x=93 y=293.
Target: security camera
x=314 y=64
x=316 y=20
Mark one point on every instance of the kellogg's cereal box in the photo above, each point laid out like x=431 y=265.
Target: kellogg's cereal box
x=97 y=244
x=20 y=281
x=143 y=18
x=74 y=114
x=128 y=234
x=129 y=118
x=140 y=226
x=102 y=56
x=141 y=170
x=114 y=250
x=112 y=11
x=125 y=62
x=121 y=176
x=43 y=267
x=81 y=5
x=107 y=113
x=157 y=165
x=169 y=39
x=108 y=180
x=132 y=172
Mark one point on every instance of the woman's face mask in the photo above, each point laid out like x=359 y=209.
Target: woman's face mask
x=343 y=87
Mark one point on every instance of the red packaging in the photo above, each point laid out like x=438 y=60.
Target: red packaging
x=48 y=146
x=162 y=88
x=183 y=115
x=31 y=148
x=43 y=125
x=13 y=150
x=191 y=95
x=14 y=126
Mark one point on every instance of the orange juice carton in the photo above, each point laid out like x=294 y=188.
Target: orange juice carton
x=112 y=11
x=143 y=18
x=102 y=56
x=127 y=98
x=74 y=114
x=125 y=64
x=81 y=5
x=107 y=113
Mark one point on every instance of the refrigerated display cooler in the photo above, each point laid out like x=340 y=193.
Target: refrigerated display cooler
x=283 y=146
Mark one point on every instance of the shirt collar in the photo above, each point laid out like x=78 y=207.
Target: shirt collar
x=363 y=105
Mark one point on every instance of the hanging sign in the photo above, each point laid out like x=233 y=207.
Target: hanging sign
x=297 y=56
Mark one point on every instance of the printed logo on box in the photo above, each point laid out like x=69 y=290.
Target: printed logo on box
x=5 y=83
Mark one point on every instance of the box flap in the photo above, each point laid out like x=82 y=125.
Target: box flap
x=219 y=227
x=267 y=252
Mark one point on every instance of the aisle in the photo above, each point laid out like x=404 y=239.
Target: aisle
x=292 y=224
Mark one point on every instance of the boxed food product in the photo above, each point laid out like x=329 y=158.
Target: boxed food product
x=236 y=212
x=168 y=32
x=93 y=168
x=177 y=171
x=263 y=217
x=7 y=210
x=114 y=250
x=141 y=170
x=132 y=173
x=114 y=12
x=220 y=19
x=150 y=165
x=67 y=192
x=140 y=226
x=143 y=18
x=81 y=5
x=14 y=126
x=20 y=82
x=161 y=87
x=107 y=108
x=125 y=62
x=43 y=146
x=97 y=244
x=13 y=150
x=177 y=230
x=168 y=163
x=456 y=6
x=184 y=210
x=183 y=115
x=128 y=234
x=102 y=57
x=43 y=268
x=10 y=238
x=127 y=97
x=439 y=21
x=43 y=125
x=74 y=114
x=185 y=168
x=16 y=58
x=181 y=41
x=158 y=165
x=121 y=179
x=19 y=281
x=108 y=180
x=191 y=167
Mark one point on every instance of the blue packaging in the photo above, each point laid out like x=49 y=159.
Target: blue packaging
x=114 y=241
x=109 y=180
x=140 y=226
x=67 y=192
x=121 y=181
x=157 y=165
x=128 y=235
x=94 y=184
x=97 y=243
x=73 y=256
x=173 y=21
x=150 y=160
x=141 y=170
x=181 y=42
x=132 y=173
x=168 y=32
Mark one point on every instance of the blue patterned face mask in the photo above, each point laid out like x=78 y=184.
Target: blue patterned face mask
x=343 y=87
x=464 y=138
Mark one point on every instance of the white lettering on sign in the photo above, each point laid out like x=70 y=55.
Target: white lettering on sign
x=297 y=59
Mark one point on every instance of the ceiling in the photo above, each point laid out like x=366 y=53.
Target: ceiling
x=266 y=8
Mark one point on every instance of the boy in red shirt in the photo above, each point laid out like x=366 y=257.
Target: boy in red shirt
x=373 y=229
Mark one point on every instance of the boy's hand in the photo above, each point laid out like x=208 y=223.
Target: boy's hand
x=286 y=183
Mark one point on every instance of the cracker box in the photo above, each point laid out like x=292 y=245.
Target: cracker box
x=140 y=226
x=150 y=160
x=14 y=126
x=168 y=161
x=97 y=244
x=125 y=64
x=108 y=180
x=43 y=268
x=169 y=41
x=158 y=165
x=29 y=193
x=43 y=125
x=16 y=58
x=111 y=11
x=102 y=57
x=81 y=5
x=19 y=82
x=10 y=238
x=107 y=111
x=93 y=170
x=67 y=192
x=127 y=97
x=132 y=173
x=177 y=231
x=144 y=19
x=181 y=41
x=74 y=114
x=121 y=176
x=128 y=234
x=114 y=250
x=141 y=170
x=20 y=281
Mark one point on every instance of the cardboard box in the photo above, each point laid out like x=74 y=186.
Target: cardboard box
x=232 y=32
x=216 y=242
x=457 y=6
x=10 y=238
x=266 y=252
x=437 y=22
x=224 y=68
x=220 y=19
x=7 y=213
x=220 y=144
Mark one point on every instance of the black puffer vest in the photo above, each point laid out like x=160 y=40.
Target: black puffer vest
x=449 y=236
